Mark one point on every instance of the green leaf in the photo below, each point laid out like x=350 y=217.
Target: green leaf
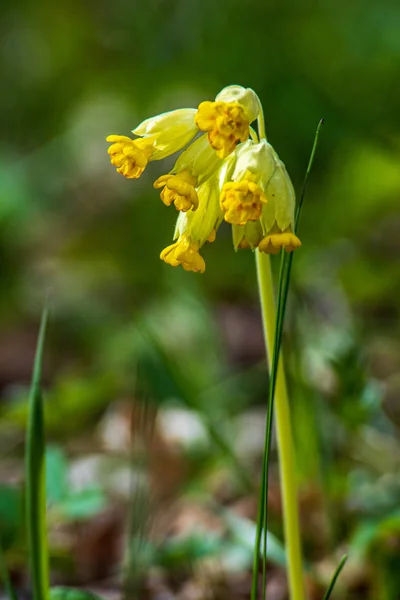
x=35 y=477
x=10 y=514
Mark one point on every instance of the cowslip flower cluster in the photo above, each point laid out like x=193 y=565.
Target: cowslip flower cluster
x=227 y=173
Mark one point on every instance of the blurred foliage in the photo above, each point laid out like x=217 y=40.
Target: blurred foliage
x=127 y=329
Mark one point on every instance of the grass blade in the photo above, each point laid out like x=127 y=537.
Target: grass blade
x=35 y=477
x=283 y=288
x=335 y=576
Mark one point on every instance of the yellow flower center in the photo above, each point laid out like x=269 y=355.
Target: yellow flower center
x=273 y=243
x=179 y=189
x=186 y=253
x=242 y=201
x=129 y=156
x=226 y=124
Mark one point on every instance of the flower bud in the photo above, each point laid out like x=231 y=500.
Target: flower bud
x=247 y=236
x=246 y=97
x=277 y=218
x=170 y=131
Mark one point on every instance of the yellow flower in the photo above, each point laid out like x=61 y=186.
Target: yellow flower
x=179 y=189
x=194 y=228
x=274 y=242
x=241 y=201
x=184 y=252
x=129 y=156
x=277 y=218
x=228 y=119
x=160 y=136
x=242 y=198
x=221 y=175
x=193 y=167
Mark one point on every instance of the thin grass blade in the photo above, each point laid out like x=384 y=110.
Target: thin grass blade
x=283 y=288
x=35 y=477
x=335 y=576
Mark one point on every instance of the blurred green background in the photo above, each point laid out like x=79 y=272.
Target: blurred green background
x=176 y=357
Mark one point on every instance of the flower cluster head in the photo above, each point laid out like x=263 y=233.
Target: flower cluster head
x=226 y=173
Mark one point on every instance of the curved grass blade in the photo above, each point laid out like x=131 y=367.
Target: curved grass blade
x=35 y=477
x=283 y=288
x=5 y=576
x=335 y=576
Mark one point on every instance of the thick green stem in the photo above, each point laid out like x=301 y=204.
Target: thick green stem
x=284 y=436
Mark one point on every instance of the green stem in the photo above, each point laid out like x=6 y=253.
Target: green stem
x=261 y=124
x=284 y=440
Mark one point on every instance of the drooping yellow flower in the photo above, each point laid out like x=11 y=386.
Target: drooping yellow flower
x=243 y=197
x=179 y=189
x=160 y=136
x=227 y=119
x=274 y=242
x=194 y=228
x=129 y=156
x=277 y=218
x=194 y=165
x=184 y=252
x=221 y=175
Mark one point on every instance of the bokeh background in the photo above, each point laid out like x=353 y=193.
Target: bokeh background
x=155 y=378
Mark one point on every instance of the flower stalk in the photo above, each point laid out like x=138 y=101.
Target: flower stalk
x=277 y=387
x=285 y=448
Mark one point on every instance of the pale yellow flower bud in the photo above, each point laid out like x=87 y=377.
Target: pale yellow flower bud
x=247 y=236
x=170 y=131
x=200 y=224
x=246 y=97
x=259 y=159
x=277 y=218
x=160 y=136
x=200 y=159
